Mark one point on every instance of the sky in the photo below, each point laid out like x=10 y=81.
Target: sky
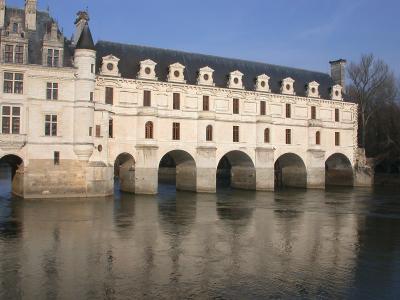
x=304 y=34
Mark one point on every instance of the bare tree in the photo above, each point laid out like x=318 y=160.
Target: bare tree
x=372 y=85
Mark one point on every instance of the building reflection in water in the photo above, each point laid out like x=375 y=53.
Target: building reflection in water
x=234 y=244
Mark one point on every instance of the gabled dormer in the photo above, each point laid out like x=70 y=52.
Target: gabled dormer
x=176 y=73
x=53 y=46
x=14 y=42
x=262 y=83
x=109 y=66
x=336 y=92
x=287 y=86
x=205 y=76
x=235 y=80
x=147 y=70
x=313 y=89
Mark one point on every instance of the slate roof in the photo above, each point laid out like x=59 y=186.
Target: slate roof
x=85 y=40
x=35 y=38
x=131 y=55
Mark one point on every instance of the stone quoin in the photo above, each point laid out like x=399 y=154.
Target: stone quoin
x=75 y=114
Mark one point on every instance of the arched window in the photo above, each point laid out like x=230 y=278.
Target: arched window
x=318 y=138
x=149 y=130
x=266 y=135
x=209 y=133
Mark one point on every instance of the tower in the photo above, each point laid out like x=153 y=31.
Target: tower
x=338 y=72
x=84 y=60
x=30 y=14
x=2 y=12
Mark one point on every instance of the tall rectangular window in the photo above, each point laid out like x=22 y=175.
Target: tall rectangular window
x=337 y=138
x=9 y=54
x=98 y=131
x=53 y=58
x=206 y=103
x=56 y=158
x=109 y=95
x=147 y=98
x=235 y=134
x=288 y=136
x=52 y=91
x=313 y=112
x=11 y=119
x=176 y=101
x=176 y=131
x=19 y=54
x=288 y=110
x=337 y=116
x=263 y=109
x=50 y=126
x=235 y=106
x=13 y=83
x=110 y=128
x=90 y=131
x=92 y=68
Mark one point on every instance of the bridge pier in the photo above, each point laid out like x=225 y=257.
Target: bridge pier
x=265 y=174
x=206 y=172
x=316 y=169
x=146 y=170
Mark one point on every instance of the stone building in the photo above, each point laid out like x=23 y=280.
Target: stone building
x=77 y=114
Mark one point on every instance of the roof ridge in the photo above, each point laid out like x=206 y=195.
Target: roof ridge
x=214 y=56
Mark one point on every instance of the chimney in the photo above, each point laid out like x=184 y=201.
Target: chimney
x=82 y=18
x=2 y=12
x=30 y=14
x=338 y=72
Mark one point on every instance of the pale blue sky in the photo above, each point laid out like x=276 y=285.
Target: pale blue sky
x=302 y=33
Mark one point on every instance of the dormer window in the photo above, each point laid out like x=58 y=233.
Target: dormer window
x=176 y=73
x=15 y=27
x=312 y=89
x=205 y=76
x=235 y=80
x=110 y=66
x=262 y=83
x=53 y=57
x=336 y=92
x=287 y=86
x=14 y=54
x=147 y=70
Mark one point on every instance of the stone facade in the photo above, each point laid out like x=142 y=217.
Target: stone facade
x=101 y=112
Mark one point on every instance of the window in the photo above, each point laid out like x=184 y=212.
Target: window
x=90 y=131
x=15 y=27
x=263 y=110
x=147 y=98
x=176 y=101
x=110 y=128
x=235 y=134
x=8 y=53
x=19 y=54
x=11 y=118
x=13 y=83
x=14 y=54
x=149 y=130
x=336 y=114
x=235 y=106
x=53 y=58
x=206 y=103
x=98 y=131
x=56 y=158
x=91 y=96
x=52 y=91
x=288 y=136
x=50 y=127
x=266 y=135
x=109 y=95
x=318 y=138
x=288 y=110
x=313 y=113
x=175 y=131
x=92 y=68
x=209 y=133
x=337 y=138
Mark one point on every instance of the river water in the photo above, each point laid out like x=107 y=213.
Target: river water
x=334 y=244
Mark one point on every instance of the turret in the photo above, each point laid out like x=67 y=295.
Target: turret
x=84 y=61
x=30 y=14
x=2 y=12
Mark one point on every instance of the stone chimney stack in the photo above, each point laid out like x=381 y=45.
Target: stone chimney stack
x=82 y=18
x=2 y=12
x=30 y=14
x=338 y=72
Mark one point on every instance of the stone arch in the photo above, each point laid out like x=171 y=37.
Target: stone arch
x=236 y=169
x=124 y=172
x=290 y=171
x=11 y=166
x=178 y=167
x=338 y=170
